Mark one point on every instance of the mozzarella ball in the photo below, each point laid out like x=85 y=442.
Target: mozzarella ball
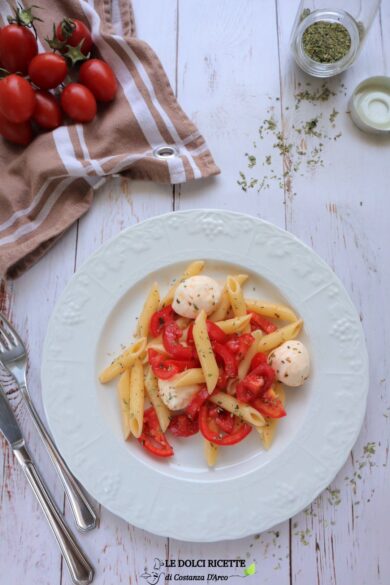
x=291 y=362
x=176 y=398
x=194 y=294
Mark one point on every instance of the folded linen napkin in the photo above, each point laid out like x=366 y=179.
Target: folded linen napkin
x=47 y=186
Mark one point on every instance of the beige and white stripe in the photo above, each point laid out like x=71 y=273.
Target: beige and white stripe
x=49 y=185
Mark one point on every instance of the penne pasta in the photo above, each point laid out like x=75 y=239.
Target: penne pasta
x=273 y=310
x=151 y=386
x=244 y=411
x=222 y=310
x=243 y=367
x=236 y=296
x=151 y=305
x=124 y=361
x=188 y=377
x=267 y=432
x=124 y=402
x=276 y=338
x=210 y=452
x=205 y=352
x=235 y=325
x=192 y=270
x=137 y=397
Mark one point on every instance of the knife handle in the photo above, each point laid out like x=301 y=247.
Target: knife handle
x=79 y=567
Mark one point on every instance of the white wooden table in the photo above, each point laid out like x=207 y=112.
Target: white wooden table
x=229 y=63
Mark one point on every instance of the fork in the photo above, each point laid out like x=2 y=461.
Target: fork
x=13 y=355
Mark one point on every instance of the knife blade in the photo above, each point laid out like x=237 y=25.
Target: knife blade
x=8 y=424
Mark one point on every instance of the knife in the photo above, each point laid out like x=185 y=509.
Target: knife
x=79 y=567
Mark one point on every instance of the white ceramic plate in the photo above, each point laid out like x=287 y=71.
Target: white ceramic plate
x=250 y=490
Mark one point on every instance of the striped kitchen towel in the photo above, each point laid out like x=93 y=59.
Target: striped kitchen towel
x=48 y=185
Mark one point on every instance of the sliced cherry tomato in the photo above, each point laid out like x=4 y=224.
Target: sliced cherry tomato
x=229 y=360
x=152 y=437
x=200 y=398
x=16 y=133
x=160 y=368
x=160 y=319
x=182 y=425
x=239 y=344
x=225 y=421
x=260 y=322
x=73 y=31
x=99 y=78
x=47 y=113
x=171 y=335
x=212 y=432
x=78 y=102
x=47 y=70
x=255 y=383
x=182 y=365
x=268 y=404
x=18 y=46
x=17 y=99
x=246 y=393
x=215 y=333
x=258 y=359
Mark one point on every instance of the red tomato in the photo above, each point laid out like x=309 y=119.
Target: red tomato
x=152 y=438
x=200 y=398
x=171 y=336
x=227 y=357
x=160 y=368
x=47 y=113
x=258 y=358
x=17 y=48
x=73 y=31
x=256 y=383
x=260 y=322
x=99 y=78
x=215 y=333
x=239 y=344
x=268 y=404
x=183 y=426
x=213 y=432
x=47 y=70
x=161 y=318
x=16 y=133
x=78 y=102
x=17 y=98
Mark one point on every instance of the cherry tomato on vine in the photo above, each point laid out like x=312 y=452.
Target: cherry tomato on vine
x=16 y=133
x=18 y=46
x=47 y=113
x=99 y=78
x=73 y=31
x=78 y=102
x=17 y=99
x=47 y=70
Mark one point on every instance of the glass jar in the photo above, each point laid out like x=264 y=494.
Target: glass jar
x=327 y=36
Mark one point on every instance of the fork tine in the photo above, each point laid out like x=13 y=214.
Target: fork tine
x=9 y=332
x=4 y=341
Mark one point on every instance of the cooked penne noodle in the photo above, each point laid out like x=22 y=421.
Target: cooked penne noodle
x=124 y=361
x=124 y=401
x=285 y=333
x=151 y=386
x=267 y=432
x=236 y=296
x=243 y=367
x=205 y=352
x=221 y=311
x=244 y=411
x=191 y=376
x=137 y=397
x=192 y=270
x=210 y=452
x=235 y=325
x=151 y=305
x=273 y=310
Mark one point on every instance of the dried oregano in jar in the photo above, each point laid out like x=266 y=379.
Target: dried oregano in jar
x=326 y=42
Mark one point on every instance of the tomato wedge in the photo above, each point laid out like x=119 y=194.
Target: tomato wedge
x=213 y=432
x=182 y=425
x=215 y=333
x=258 y=359
x=268 y=404
x=239 y=344
x=229 y=360
x=152 y=438
x=260 y=322
x=257 y=382
x=171 y=335
x=159 y=366
x=160 y=319
x=198 y=400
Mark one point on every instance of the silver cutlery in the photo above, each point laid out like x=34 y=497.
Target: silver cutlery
x=79 y=567
x=14 y=357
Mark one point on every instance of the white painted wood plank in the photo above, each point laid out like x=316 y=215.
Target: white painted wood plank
x=340 y=209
